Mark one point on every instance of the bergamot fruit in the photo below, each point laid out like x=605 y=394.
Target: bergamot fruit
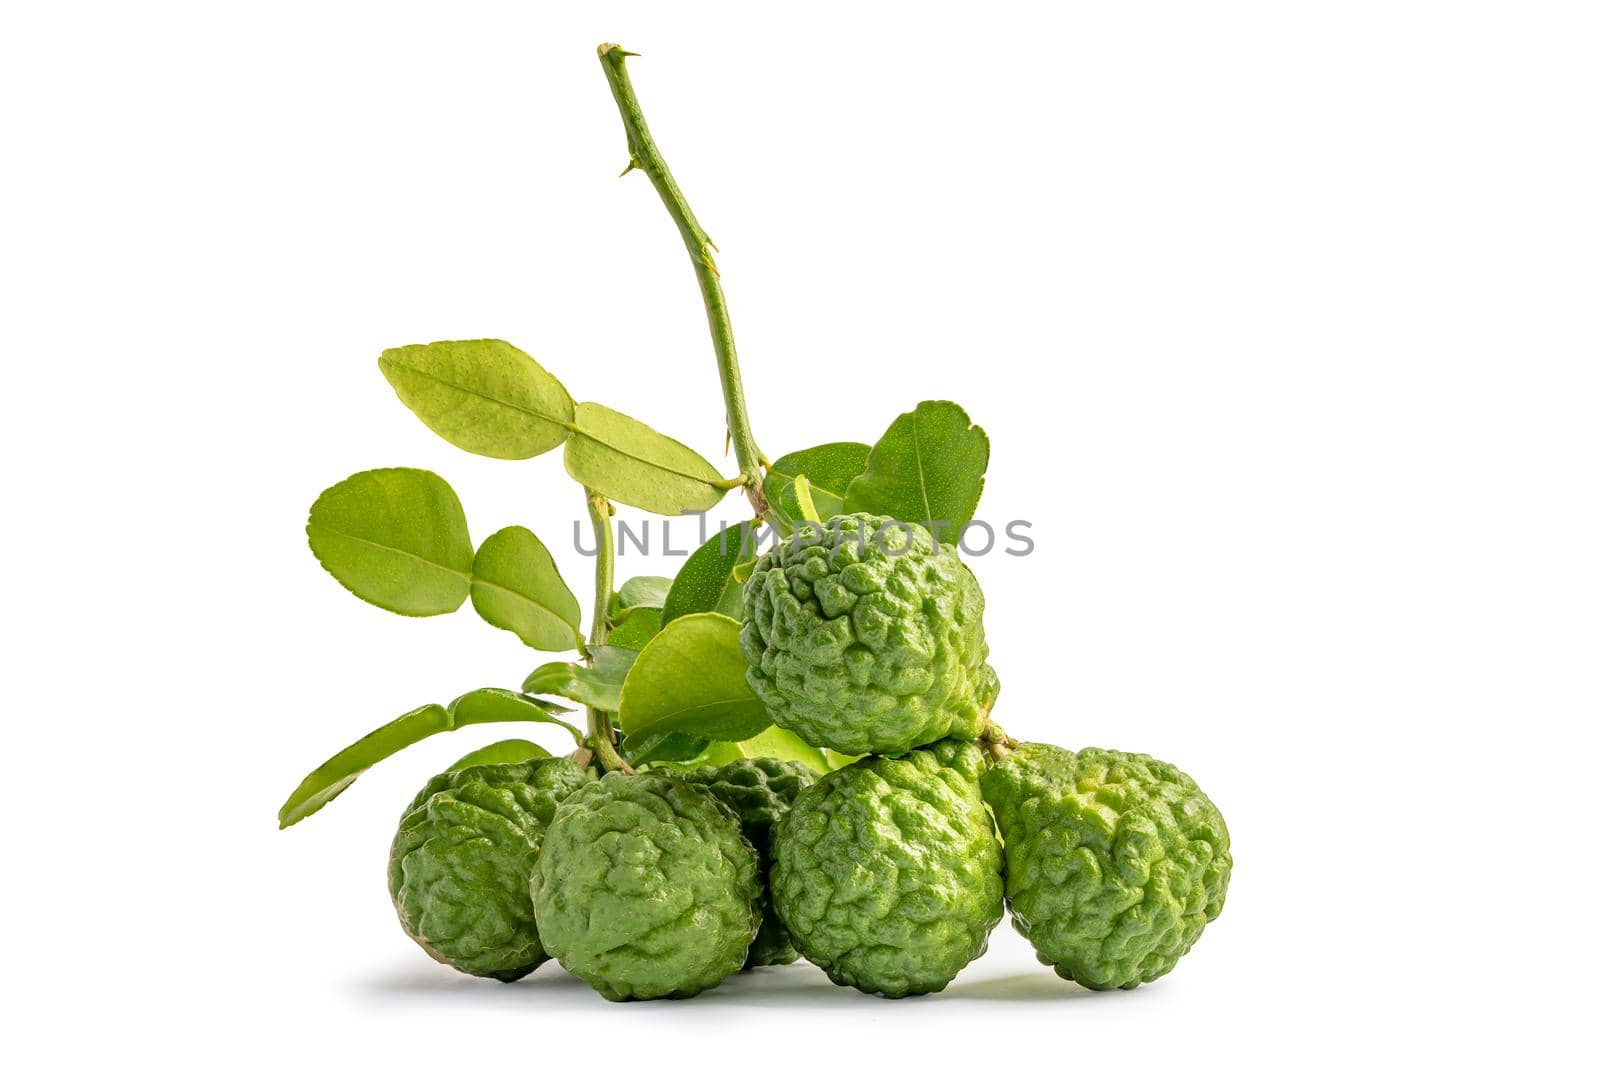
x=759 y=791
x=887 y=871
x=866 y=635
x=459 y=866
x=1114 y=862
x=646 y=888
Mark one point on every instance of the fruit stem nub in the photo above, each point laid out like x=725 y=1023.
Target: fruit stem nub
x=996 y=744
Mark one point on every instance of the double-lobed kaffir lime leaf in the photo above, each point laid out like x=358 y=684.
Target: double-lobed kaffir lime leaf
x=690 y=679
x=627 y=461
x=706 y=580
x=483 y=396
x=515 y=586
x=491 y=398
x=828 y=468
x=396 y=538
x=927 y=468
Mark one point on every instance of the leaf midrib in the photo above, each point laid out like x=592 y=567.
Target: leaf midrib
x=922 y=479
x=487 y=397
x=525 y=598
x=649 y=462
x=656 y=726
x=465 y=574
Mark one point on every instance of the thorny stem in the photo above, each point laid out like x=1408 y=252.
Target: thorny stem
x=644 y=155
x=602 y=736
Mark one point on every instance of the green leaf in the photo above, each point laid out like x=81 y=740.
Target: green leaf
x=706 y=580
x=928 y=468
x=690 y=679
x=501 y=751
x=639 y=592
x=775 y=743
x=476 y=707
x=663 y=747
x=828 y=467
x=515 y=586
x=486 y=396
x=396 y=538
x=599 y=686
x=502 y=705
x=631 y=463
x=636 y=628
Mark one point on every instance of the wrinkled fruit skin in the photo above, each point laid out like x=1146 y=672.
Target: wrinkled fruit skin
x=460 y=862
x=759 y=791
x=867 y=636
x=1114 y=862
x=646 y=888
x=887 y=872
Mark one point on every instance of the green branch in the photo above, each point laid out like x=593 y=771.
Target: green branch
x=644 y=155
x=602 y=736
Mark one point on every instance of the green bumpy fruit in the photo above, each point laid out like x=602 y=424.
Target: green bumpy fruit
x=887 y=871
x=1114 y=862
x=646 y=888
x=459 y=866
x=760 y=791
x=866 y=635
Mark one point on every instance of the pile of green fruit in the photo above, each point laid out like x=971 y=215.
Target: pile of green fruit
x=788 y=749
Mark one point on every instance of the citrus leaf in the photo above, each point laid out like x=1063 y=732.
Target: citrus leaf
x=396 y=538
x=486 y=396
x=775 y=742
x=515 y=586
x=706 y=582
x=828 y=467
x=327 y=781
x=636 y=628
x=599 y=686
x=502 y=705
x=690 y=679
x=928 y=468
x=663 y=747
x=631 y=463
x=501 y=751
x=639 y=592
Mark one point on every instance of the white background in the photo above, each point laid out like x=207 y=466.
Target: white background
x=1282 y=320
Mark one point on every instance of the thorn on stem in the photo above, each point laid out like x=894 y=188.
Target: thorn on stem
x=633 y=165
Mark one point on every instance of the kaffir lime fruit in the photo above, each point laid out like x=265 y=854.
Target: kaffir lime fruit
x=866 y=635
x=759 y=791
x=1114 y=862
x=459 y=866
x=887 y=871
x=646 y=888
